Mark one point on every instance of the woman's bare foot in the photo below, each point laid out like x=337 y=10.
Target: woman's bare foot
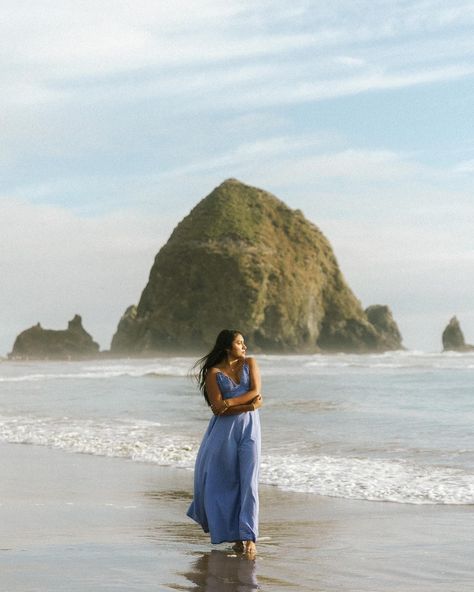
x=250 y=549
x=238 y=547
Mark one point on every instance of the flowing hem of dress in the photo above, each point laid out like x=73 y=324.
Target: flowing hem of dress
x=224 y=540
x=233 y=541
x=197 y=521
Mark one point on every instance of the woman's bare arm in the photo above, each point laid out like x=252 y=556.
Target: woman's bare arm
x=255 y=386
x=213 y=392
x=236 y=409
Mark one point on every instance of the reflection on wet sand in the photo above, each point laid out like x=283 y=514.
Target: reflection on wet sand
x=170 y=495
x=221 y=571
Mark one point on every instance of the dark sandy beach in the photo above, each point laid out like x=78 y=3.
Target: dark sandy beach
x=78 y=523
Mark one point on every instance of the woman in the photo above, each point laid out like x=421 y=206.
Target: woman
x=225 y=500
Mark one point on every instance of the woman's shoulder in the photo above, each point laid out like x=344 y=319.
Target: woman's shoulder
x=251 y=362
x=215 y=372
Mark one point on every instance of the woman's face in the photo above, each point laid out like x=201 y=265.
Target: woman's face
x=238 y=348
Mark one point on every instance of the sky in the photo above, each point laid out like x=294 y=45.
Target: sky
x=117 y=117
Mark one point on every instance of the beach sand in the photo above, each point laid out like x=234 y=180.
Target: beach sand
x=73 y=522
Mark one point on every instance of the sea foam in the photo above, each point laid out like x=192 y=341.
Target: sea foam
x=346 y=477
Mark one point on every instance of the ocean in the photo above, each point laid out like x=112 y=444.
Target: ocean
x=395 y=427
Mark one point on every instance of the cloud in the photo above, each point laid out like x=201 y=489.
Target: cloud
x=291 y=160
x=350 y=61
x=350 y=165
x=96 y=49
x=467 y=166
x=323 y=89
x=81 y=86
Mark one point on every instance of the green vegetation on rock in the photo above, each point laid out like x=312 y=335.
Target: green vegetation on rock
x=243 y=259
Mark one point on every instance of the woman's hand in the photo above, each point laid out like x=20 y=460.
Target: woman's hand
x=220 y=407
x=255 y=403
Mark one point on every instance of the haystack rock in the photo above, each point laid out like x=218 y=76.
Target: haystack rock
x=243 y=259
x=39 y=343
x=453 y=338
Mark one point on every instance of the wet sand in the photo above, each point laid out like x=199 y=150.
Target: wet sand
x=81 y=523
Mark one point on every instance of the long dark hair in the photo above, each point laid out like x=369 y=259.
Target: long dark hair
x=215 y=356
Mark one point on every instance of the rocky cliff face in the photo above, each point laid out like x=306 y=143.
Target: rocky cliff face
x=243 y=259
x=382 y=319
x=453 y=337
x=39 y=343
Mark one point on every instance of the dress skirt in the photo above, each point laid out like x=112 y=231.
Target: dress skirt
x=225 y=501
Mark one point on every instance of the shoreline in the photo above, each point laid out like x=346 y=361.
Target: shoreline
x=100 y=523
x=105 y=355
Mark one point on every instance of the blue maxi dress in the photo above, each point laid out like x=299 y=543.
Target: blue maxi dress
x=225 y=500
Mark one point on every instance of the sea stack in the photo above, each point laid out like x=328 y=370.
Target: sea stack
x=382 y=319
x=243 y=259
x=39 y=343
x=453 y=338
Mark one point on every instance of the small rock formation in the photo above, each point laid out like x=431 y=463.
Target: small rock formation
x=243 y=259
x=39 y=343
x=127 y=331
x=382 y=319
x=453 y=338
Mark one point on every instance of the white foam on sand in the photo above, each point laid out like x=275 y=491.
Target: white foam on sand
x=138 y=440
x=346 y=477
x=370 y=479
